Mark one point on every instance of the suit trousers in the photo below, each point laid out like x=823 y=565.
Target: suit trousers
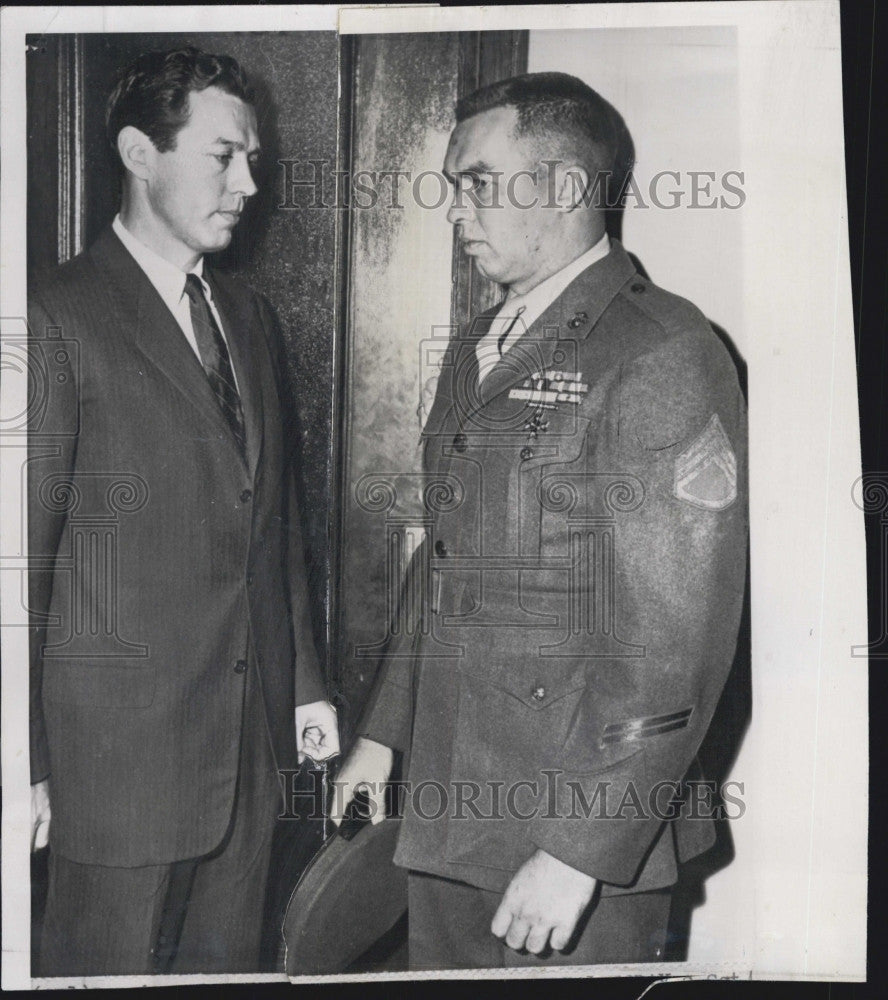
x=106 y=921
x=449 y=928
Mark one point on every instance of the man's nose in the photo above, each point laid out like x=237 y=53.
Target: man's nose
x=459 y=210
x=240 y=179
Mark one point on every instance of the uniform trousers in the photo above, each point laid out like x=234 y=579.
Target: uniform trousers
x=107 y=921
x=449 y=928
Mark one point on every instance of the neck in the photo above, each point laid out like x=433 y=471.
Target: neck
x=563 y=254
x=148 y=229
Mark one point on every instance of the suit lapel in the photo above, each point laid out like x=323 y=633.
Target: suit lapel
x=570 y=318
x=238 y=317
x=142 y=314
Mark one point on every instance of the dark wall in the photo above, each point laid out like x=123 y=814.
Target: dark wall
x=408 y=286
x=287 y=253
x=404 y=90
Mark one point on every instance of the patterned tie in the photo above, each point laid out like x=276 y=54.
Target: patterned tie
x=215 y=359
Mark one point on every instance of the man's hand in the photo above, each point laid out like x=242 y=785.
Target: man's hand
x=40 y=815
x=368 y=767
x=545 y=896
x=317 y=731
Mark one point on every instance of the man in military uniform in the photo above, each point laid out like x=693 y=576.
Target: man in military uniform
x=587 y=561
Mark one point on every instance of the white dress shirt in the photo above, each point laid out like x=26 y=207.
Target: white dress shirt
x=524 y=310
x=169 y=281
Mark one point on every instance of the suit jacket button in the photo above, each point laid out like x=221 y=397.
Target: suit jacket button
x=526 y=453
x=249 y=579
x=440 y=548
x=246 y=496
x=460 y=442
x=240 y=667
x=538 y=693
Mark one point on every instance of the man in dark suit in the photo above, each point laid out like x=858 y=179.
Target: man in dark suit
x=586 y=470
x=171 y=641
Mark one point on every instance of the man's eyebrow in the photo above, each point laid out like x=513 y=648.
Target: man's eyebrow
x=235 y=144
x=478 y=167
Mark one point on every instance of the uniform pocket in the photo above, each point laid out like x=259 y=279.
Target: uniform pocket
x=558 y=441
x=514 y=718
x=510 y=728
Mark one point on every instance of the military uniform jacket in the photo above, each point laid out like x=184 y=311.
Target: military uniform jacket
x=163 y=562
x=585 y=573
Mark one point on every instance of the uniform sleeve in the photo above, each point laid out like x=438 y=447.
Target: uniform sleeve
x=387 y=717
x=52 y=447
x=679 y=564
x=309 y=678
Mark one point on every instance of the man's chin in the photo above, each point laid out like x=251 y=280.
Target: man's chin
x=487 y=269
x=218 y=241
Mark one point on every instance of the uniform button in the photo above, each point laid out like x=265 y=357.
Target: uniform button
x=240 y=667
x=440 y=548
x=638 y=287
x=578 y=320
x=246 y=496
x=460 y=442
x=538 y=693
x=249 y=579
x=526 y=453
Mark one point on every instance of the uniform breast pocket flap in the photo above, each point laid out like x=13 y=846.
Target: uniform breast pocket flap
x=535 y=684
x=557 y=439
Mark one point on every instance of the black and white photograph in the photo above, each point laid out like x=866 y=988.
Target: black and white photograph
x=434 y=528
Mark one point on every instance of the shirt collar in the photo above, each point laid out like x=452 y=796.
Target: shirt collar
x=168 y=279
x=541 y=296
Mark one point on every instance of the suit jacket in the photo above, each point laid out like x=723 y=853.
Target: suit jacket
x=588 y=558
x=162 y=563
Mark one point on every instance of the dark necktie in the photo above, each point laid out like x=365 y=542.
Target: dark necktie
x=215 y=359
x=502 y=337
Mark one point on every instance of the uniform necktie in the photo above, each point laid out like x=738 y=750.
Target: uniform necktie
x=491 y=344
x=502 y=337
x=215 y=359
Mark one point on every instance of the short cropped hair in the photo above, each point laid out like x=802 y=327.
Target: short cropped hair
x=152 y=92
x=566 y=117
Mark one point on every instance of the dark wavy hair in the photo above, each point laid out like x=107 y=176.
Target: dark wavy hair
x=566 y=117
x=152 y=92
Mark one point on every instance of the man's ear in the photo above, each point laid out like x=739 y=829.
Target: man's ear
x=571 y=187
x=137 y=151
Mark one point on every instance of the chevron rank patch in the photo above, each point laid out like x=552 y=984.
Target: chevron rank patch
x=706 y=471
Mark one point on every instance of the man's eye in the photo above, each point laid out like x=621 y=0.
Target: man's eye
x=223 y=158
x=473 y=182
